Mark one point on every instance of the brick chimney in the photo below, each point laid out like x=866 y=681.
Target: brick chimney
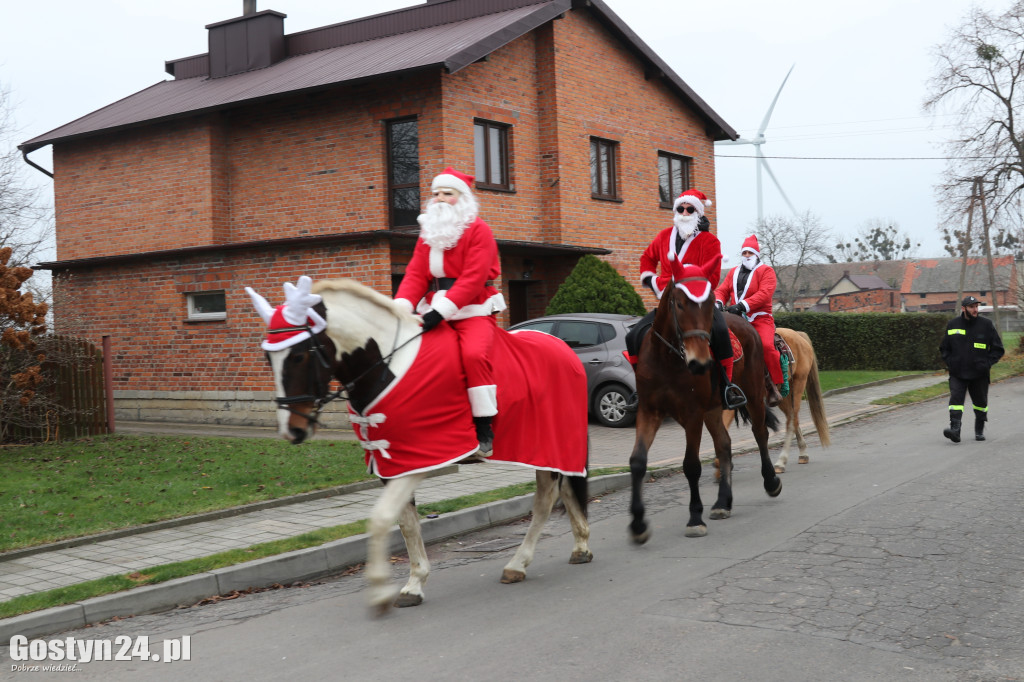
x=254 y=40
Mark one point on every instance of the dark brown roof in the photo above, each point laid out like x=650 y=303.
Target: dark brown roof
x=449 y=34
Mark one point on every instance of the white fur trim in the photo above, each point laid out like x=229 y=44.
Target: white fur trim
x=287 y=343
x=404 y=304
x=265 y=310
x=436 y=261
x=696 y=299
x=443 y=305
x=451 y=182
x=495 y=304
x=692 y=201
x=483 y=400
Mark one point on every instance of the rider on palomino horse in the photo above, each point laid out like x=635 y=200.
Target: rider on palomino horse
x=748 y=290
x=451 y=277
x=687 y=242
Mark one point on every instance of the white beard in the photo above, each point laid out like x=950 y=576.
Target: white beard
x=686 y=224
x=441 y=225
x=749 y=262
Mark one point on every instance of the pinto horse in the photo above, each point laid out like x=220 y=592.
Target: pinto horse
x=677 y=376
x=803 y=376
x=409 y=408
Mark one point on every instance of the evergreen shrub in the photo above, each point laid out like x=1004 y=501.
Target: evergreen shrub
x=594 y=286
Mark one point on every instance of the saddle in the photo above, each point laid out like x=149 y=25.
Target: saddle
x=783 y=347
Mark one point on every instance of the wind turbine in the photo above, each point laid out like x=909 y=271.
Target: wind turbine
x=762 y=162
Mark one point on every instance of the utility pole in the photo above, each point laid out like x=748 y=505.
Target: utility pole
x=988 y=254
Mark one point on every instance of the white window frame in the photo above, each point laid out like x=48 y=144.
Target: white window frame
x=195 y=316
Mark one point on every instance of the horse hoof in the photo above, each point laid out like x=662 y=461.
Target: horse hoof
x=380 y=610
x=720 y=513
x=803 y=459
x=696 y=531
x=408 y=599
x=779 y=469
x=774 y=492
x=581 y=557
x=509 y=576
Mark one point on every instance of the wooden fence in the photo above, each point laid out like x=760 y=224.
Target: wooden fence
x=71 y=402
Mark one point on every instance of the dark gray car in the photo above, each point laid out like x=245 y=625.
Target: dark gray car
x=598 y=339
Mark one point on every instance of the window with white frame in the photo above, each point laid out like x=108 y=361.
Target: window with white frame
x=205 y=306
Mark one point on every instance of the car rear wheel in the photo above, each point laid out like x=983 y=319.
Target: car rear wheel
x=610 y=406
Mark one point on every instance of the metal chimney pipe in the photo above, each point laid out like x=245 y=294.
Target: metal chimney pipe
x=248 y=7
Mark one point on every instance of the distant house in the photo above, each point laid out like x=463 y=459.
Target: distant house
x=913 y=285
x=275 y=155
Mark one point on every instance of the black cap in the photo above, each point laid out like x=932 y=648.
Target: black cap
x=969 y=300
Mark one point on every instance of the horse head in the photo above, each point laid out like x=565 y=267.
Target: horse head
x=684 y=319
x=301 y=356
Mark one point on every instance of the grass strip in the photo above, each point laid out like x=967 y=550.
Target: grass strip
x=1004 y=369
x=158 y=574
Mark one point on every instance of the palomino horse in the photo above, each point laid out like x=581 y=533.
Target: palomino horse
x=408 y=405
x=677 y=376
x=803 y=375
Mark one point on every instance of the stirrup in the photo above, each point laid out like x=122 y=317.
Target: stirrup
x=733 y=397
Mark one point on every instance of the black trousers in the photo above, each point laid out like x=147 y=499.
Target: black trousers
x=978 y=389
x=721 y=346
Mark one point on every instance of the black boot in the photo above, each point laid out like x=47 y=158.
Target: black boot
x=774 y=396
x=979 y=427
x=953 y=432
x=732 y=395
x=633 y=403
x=484 y=434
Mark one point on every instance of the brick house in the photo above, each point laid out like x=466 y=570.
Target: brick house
x=912 y=285
x=276 y=155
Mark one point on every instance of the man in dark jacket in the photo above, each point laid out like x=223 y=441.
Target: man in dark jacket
x=970 y=347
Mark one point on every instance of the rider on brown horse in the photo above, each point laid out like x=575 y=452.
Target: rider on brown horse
x=748 y=290
x=687 y=242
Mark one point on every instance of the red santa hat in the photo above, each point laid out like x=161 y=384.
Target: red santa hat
x=695 y=198
x=293 y=322
x=453 y=179
x=750 y=244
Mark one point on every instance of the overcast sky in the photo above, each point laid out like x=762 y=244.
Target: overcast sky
x=856 y=90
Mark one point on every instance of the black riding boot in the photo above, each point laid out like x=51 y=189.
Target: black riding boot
x=732 y=395
x=484 y=434
x=979 y=427
x=953 y=432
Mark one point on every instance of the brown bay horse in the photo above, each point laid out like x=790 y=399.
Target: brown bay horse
x=803 y=376
x=677 y=377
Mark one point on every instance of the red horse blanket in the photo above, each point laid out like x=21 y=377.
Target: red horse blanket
x=422 y=421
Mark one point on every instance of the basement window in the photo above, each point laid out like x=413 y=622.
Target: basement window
x=207 y=306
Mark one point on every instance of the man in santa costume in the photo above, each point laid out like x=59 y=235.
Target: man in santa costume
x=451 y=277
x=687 y=242
x=748 y=290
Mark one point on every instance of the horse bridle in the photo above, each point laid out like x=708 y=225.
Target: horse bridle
x=681 y=336
x=315 y=376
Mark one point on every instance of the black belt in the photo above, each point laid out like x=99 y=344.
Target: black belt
x=439 y=283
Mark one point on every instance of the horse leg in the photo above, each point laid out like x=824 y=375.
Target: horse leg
x=695 y=527
x=419 y=565
x=722 y=509
x=395 y=497
x=581 y=553
x=646 y=427
x=772 y=482
x=789 y=408
x=543 y=500
x=802 y=458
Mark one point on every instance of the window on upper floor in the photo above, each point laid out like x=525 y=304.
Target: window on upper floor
x=490 y=148
x=673 y=177
x=603 y=183
x=403 y=140
x=206 y=306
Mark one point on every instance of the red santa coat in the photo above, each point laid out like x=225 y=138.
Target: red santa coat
x=703 y=250
x=756 y=296
x=473 y=262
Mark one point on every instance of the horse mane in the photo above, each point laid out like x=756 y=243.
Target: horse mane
x=361 y=291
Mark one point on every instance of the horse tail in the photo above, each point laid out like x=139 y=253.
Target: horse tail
x=817 y=402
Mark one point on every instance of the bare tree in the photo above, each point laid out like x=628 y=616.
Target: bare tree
x=877 y=240
x=789 y=244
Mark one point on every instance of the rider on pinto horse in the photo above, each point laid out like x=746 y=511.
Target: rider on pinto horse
x=687 y=242
x=451 y=277
x=748 y=290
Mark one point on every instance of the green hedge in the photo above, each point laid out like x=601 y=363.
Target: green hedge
x=594 y=286
x=872 y=341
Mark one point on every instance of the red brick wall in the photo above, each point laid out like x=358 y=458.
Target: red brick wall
x=873 y=300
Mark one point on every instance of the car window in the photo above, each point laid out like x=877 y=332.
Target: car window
x=542 y=326
x=582 y=334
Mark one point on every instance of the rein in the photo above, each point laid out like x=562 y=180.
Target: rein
x=681 y=336
x=346 y=388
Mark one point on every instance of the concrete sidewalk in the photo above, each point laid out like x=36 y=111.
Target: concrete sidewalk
x=64 y=564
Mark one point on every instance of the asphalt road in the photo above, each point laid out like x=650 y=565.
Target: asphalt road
x=895 y=554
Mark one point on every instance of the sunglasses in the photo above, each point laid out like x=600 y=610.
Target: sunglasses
x=685 y=208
